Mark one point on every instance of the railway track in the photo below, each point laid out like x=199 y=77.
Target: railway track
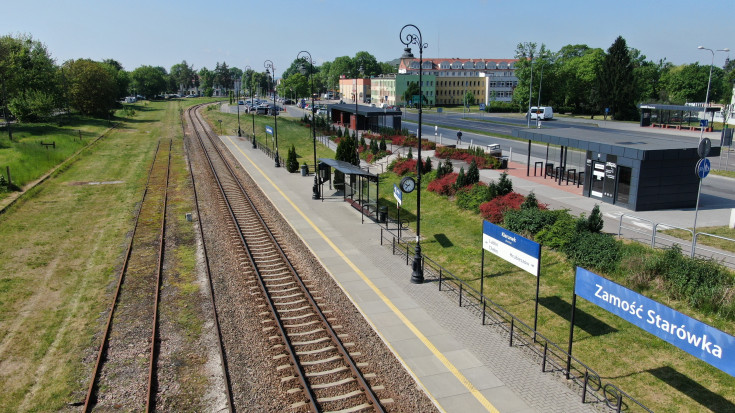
x=124 y=374
x=313 y=359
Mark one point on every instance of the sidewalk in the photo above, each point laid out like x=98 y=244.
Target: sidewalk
x=463 y=366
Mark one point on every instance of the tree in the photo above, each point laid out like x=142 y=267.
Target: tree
x=122 y=78
x=473 y=174
x=29 y=78
x=292 y=163
x=688 y=83
x=183 y=75
x=92 y=88
x=222 y=76
x=412 y=90
x=469 y=99
x=149 y=81
x=206 y=78
x=616 y=83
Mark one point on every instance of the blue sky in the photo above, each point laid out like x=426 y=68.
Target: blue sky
x=246 y=32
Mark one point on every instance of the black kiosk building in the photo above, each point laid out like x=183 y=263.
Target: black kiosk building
x=638 y=171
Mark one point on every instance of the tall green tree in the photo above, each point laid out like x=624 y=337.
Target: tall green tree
x=688 y=83
x=28 y=74
x=183 y=75
x=149 y=81
x=122 y=77
x=92 y=87
x=616 y=82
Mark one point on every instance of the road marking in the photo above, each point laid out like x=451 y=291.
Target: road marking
x=448 y=364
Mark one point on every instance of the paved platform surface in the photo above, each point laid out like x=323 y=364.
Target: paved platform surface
x=462 y=365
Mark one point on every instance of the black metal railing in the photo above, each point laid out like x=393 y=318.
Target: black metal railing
x=552 y=358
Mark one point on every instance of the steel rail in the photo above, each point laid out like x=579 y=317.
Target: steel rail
x=126 y=260
x=362 y=383
x=222 y=355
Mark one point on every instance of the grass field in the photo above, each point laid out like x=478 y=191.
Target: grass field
x=62 y=247
x=656 y=373
x=28 y=160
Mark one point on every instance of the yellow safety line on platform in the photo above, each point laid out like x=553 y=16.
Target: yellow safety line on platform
x=448 y=364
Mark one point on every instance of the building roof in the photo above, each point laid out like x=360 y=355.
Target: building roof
x=346 y=167
x=364 y=110
x=437 y=61
x=683 y=108
x=629 y=144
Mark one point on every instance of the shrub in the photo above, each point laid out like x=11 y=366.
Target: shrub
x=461 y=181
x=292 y=163
x=531 y=220
x=471 y=197
x=482 y=159
x=339 y=132
x=559 y=233
x=594 y=222
x=593 y=250
x=383 y=147
x=426 y=168
x=494 y=209
x=473 y=174
x=444 y=169
x=443 y=185
x=531 y=202
x=403 y=166
x=410 y=153
x=504 y=185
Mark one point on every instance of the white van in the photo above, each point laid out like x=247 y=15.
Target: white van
x=542 y=112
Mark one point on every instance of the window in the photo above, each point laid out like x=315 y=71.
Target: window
x=624 y=177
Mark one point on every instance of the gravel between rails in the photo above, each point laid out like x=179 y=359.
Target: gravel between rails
x=256 y=383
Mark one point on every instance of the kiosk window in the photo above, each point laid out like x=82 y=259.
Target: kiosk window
x=624 y=174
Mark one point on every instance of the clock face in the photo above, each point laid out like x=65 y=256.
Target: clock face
x=408 y=184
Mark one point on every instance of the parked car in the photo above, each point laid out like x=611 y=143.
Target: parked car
x=262 y=109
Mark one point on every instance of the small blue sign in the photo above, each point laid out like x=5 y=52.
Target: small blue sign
x=268 y=129
x=693 y=336
x=397 y=194
x=703 y=123
x=482 y=106
x=703 y=168
x=607 y=110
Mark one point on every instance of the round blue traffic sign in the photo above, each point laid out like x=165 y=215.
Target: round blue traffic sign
x=703 y=167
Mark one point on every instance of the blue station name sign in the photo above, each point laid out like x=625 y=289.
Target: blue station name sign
x=705 y=342
x=519 y=251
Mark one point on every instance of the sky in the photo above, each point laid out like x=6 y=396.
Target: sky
x=246 y=33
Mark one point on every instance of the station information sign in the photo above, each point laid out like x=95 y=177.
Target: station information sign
x=705 y=342
x=508 y=245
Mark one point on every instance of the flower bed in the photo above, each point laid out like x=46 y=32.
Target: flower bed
x=483 y=160
x=444 y=185
x=412 y=141
x=403 y=166
x=494 y=209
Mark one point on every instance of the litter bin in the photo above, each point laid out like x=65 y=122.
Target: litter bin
x=503 y=162
x=304 y=170
x=382 y=214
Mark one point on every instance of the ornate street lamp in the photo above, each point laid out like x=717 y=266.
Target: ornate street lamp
x=269 y=66
x=237 y=86
x=417 y=276
x=706 y=99
x=252 y=102
x=303 y=57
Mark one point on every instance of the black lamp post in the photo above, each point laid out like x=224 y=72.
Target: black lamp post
x=252 y=102
x=237 y=86
x=269 y=66
x=303 y=56
x=417 y=276
x=357 y=142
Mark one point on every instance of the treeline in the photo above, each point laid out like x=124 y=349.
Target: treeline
x=585 y=80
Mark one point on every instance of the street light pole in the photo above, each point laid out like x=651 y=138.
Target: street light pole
x=417 y=276
x=706 y=99
x=237 y=86
x=315 y=189
x=269 y=66
x=252 y=102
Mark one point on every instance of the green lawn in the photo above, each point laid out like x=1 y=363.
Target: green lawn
x=59 y=262
x=28 y=160
x=290 y=132
x=649 y=369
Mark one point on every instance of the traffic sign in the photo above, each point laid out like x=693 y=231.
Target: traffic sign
x=397 y=194
x=703 y=167
x=482 y=106
x=704 y=147
x=703 y=123
x=268 y=129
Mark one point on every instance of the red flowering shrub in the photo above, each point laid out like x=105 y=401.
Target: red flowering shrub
x=412 y=141
x=403 y=166
x=483 y=161
x=494 y=209
x=444 y=185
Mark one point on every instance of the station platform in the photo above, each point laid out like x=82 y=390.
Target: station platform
x=462 y=365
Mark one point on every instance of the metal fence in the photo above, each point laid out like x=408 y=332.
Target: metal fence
x=551 y=357
x=649 y=232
